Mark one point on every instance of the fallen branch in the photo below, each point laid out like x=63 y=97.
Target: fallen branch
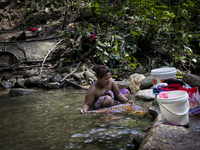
x=49 y=53
x=74 y=85
x=71 y=72
x=20 y=84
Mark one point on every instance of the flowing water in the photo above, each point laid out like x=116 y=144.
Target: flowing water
x=51 y=119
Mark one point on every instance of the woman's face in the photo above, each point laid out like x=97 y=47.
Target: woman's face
x=105 y=80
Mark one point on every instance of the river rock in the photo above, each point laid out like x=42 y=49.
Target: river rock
x=137 y=140
x=54 y=84
x=20 y=91
x=33 y=81
x=7 y=76
x=77 y=76
x=135 y=82
x=122 y=84
x=7 y=84
x=56 y=78
x=30 y=73
x=21 y=80
x=145 y=94
x=170 y=137
x=154 y=111
x=89 y=75
x=146 y=83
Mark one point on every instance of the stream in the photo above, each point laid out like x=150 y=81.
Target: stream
x=51 y=119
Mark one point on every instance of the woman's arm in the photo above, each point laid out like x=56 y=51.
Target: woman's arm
x=89 y=99
x=118 y=94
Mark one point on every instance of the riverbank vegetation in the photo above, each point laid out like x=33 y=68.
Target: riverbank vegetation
x=131 y=35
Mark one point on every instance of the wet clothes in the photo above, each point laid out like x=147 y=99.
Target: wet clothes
x=99 y=102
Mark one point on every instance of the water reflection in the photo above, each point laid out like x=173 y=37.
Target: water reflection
x=52 y=120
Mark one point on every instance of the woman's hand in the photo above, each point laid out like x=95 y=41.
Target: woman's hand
x=85 y=108
x=83 y=111
x=129 y=102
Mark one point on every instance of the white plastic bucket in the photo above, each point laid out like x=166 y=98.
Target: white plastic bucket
x=161 y=74
x=174 y=109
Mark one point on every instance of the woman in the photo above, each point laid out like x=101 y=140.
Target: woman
x=104 y=92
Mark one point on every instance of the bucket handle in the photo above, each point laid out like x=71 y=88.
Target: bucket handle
x=179 y=114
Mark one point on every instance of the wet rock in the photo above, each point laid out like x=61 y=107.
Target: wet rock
x=170 y=137
x=20 y=91
x=54 y=84
x=7 y=76
x=155 y=103
x=30 y=73
x=145 y=94
x=7 y=84
x=56 y=78
x=89 y=75
x=146 y=83
x=122 y=84
x=194 y=123
x=21 y=80
x=33 y=81
x=18 y=82
x=12 y=81
x=154 y=112
x=46 y=76
x=77 y=76
x=135 y=82
x=137 y=140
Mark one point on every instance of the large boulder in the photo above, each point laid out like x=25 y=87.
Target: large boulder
x=135 y=82
x=122 y=84
x=89 y=76
x=137 y=140
x=147 y=94
x=146 y=83
x=30 y=73
x=33 y=81
x=170 y=137
x=56 y=78
x=20 y=91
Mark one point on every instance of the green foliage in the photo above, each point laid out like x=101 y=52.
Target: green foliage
x=127 y=27
x=167 y=26
x=65 y=33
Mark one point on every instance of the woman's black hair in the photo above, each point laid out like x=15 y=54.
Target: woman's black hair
x=100 y=70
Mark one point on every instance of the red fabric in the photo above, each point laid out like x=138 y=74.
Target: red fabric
x=192 y=90
x=92 y=36
x=174 y=86
x=164 y=89
x=32 y=29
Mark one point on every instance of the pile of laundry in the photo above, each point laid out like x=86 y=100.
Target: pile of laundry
x=169 y=85
x=174 y=84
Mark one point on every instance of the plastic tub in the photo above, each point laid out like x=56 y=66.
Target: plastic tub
x=161 y=74
x=174 y=109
